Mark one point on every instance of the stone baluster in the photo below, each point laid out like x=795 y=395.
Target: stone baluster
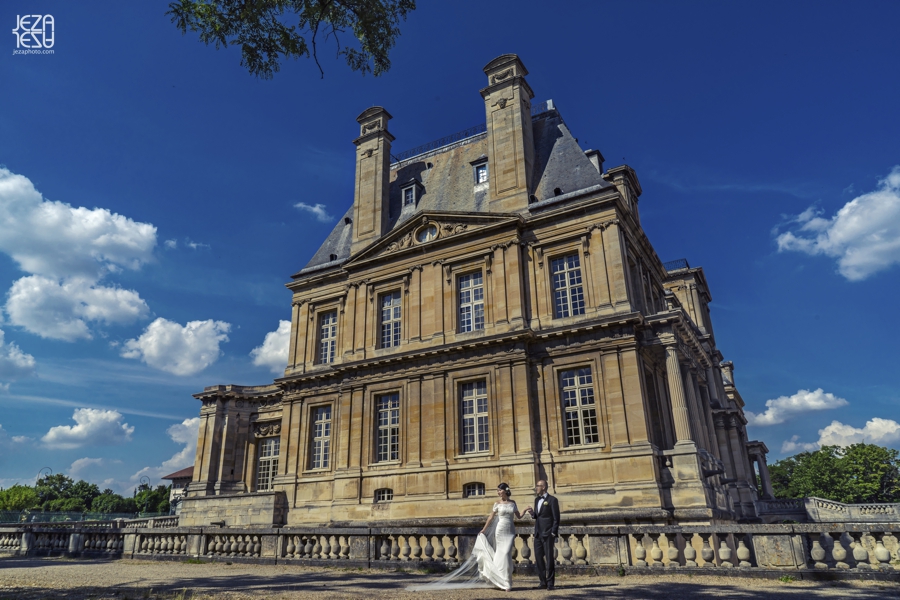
x=838 y=552
x=525 y=552
x=860 y=554
x=429 y=549
x=257 y=545
x=743 y=552
x=291 y=547
x=513 y=552
x=395 y=548
x=439 y=549
x=706 y=552
x=580 y=550
x=345 y=547
x=882 y=554
x=725 y=553
x=690 y=553
x=656 y=552
x=640 y=553
x=451 y=550
x=405 y=550
x=672 y=553
x=415 y=550
x=326 y=547
x=817 y=551
x=317 y=547
x=309 y=546
x=565 y=549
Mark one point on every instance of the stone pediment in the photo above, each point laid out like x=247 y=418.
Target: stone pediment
x=428 y=228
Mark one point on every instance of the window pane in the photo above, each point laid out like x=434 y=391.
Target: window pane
x=474 y=415
x=577 y=393
x=471 y=302
x=390 y=320
x=568 y=288
x=387 y=446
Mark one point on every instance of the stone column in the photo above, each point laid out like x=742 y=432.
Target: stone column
x=768 y=492
x=693 y=413
x=680 y=414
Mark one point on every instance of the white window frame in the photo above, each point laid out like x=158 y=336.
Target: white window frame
x=267 y=463
x=567 y=282
x=383 y=495
x=327 y=337
x=387 y=427
x=474 y=414
x=474 y=489
x=391 y=322
x=578 y=400
x=320 y=454
x=478 y=171
x=470 y=298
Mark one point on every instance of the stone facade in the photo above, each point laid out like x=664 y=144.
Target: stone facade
x=489 y=310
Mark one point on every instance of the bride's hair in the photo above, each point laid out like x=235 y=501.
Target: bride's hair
x=505 y=488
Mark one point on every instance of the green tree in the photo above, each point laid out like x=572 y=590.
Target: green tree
x=267 y=30
x=110 y=502
x=148 y=499
x=855 y=474
x=18 y=497
x=53 y=487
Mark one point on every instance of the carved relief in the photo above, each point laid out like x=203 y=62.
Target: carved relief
x=404 y=242
x=266 y=429
x=371 y=126
x=441 y=229
x=501 y=76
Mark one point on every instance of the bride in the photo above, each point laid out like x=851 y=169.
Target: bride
x=490 y=562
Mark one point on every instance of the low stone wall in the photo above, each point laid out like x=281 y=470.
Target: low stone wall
x=808 y=550
x=259 y=509
x=819 y=510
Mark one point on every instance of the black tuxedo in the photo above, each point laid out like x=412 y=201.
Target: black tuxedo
x=546 y=528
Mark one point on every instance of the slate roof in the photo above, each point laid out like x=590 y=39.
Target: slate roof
x=449 y=184
x=188 y=472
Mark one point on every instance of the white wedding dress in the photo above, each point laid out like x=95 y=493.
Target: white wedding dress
x=490 y=563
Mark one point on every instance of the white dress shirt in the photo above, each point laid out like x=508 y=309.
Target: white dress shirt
x=541 y=501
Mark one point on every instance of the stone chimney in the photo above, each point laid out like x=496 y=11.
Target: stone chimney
x=626 y=181
x=507 y=102
x=727 y=372
x=373 y=170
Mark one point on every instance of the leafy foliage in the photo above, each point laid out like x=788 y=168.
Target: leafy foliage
x=18 y=497
x=855 y=474
x=267 y=30
x=149 y=500
x=109 y=502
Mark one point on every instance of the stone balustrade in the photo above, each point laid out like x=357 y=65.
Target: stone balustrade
x=819 y=510
x=867 y=549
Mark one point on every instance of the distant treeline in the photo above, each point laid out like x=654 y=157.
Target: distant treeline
x=59 y=493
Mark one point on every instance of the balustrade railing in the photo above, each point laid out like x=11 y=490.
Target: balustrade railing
x=849 y=547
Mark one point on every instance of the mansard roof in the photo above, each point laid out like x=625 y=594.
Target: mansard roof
x=448 y=183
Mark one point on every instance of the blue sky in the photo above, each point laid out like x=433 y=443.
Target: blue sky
x=148 y=217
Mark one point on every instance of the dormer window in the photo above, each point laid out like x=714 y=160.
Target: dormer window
x=409 y=196
x=480 y=169
x=411 y=192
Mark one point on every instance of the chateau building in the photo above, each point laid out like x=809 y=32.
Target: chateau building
x=489 y=309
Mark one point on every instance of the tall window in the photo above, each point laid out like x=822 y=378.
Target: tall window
x=409 y=195
x=481 y=173
x=471 y=302
x=474 y=417
x=387 y=445
x=327 y=337
x=390 y=320
x=267 y=466
x=580 y=409
x=321 y=442
x=567 y=287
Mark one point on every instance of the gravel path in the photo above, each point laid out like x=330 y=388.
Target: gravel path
x=30 y=578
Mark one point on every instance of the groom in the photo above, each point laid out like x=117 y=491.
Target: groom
x=546 y=529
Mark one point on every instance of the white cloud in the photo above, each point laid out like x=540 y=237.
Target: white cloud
x=317 y=210
x=864 y=235
x=177 y=349
x=13 y=362
x=62 y=311
x=784 y=407
x=170 y=244
x=792 y=446
x=195 y=245
x=180 y=433
x=876 y=431
x=274 y=350
x=57 y=240
x=7 y=441
x=67 y=251
x=93 y=427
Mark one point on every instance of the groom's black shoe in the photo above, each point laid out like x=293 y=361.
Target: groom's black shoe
x=549 y=587
x=540 y=586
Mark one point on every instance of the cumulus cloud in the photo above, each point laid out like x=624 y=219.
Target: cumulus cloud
x=784 y=407
x=170 y=244
x=67 y=251
x=316 y=210
x=14 y=363
x=93 y=427
x=883 y=432
x=177 y=349
x=181 y=433
x=62 y=310
x=9 y=441
x=864 y=235
x=273 y=353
